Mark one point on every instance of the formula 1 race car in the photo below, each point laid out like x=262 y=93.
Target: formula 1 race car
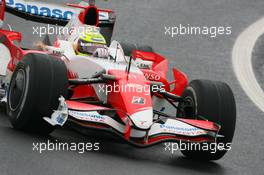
x=126 y=93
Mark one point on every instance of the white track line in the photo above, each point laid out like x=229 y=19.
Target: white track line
x=242 y=62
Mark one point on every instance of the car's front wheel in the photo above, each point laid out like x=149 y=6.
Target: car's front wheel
x=213 y=101
x=36 y=84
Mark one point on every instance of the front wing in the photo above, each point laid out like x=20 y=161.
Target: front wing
x=88 y=116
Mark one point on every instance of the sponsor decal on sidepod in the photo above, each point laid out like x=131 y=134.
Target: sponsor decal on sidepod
x=151 y=76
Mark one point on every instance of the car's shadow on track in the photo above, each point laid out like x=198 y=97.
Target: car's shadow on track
x=113 y=146
x=203 y=167
x=156 y=156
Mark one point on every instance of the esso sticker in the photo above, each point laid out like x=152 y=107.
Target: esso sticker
x=153 y=77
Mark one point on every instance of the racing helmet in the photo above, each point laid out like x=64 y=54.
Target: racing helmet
x=89 y=42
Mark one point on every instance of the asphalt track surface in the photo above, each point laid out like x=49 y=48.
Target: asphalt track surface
x=258 y=60
x=143 y=21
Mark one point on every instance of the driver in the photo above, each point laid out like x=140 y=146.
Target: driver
x=89 y=44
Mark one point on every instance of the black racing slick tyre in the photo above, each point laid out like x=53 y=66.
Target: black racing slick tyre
x=213 y=101
x=47 y=40
x=128 y=48
x=36 y=85
x=145 y=48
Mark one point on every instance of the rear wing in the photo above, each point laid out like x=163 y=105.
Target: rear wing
x=60 y=14
x=51 y=13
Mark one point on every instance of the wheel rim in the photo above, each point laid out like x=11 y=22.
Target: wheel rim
x=188 y=108
x=17 y=90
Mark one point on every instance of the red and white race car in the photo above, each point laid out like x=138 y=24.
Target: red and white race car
x=126 y=93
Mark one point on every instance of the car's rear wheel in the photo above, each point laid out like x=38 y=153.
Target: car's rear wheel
x=37 y=83
x=47 y=40
x=129 y=48
x=213 y=101
x=145 y=48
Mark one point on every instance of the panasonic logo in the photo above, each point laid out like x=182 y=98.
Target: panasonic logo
x=178 y=128
x=39 y=8
x=86 y=115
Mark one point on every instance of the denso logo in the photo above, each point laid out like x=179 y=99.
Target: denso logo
x=152 y=76
x=39 y=8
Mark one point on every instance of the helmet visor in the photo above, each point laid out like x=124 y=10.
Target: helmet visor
x=88 y=47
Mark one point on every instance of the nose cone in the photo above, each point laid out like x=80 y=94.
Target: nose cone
x=143 y=119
